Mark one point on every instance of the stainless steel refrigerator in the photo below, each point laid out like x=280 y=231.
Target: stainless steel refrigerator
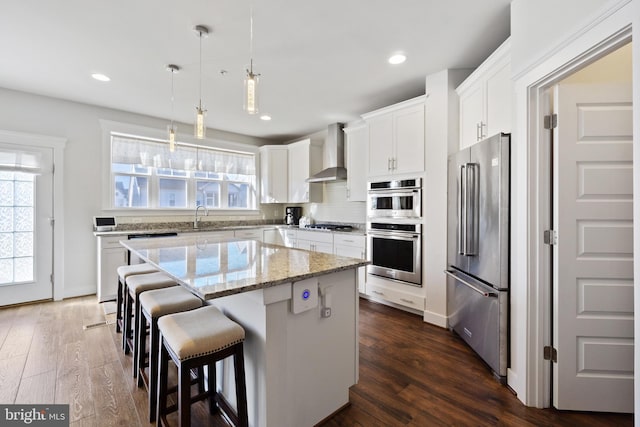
x=478 y=249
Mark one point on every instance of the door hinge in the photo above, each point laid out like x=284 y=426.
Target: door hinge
x=550 y=237
x=51 y=279
x=551 y=121
x=52 y=221
x=550 y=353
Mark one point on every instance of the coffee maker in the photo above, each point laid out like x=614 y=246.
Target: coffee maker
x=292 y=215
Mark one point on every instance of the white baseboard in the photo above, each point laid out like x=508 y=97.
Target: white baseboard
x=435 y=319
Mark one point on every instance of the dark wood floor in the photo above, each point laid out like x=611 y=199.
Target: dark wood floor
x=411 y=373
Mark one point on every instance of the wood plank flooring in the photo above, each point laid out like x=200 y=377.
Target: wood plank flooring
x=411 y=374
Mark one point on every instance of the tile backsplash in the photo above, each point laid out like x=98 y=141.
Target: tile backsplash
x=335 y=207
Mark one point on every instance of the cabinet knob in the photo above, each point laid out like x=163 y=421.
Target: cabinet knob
x=389 y=163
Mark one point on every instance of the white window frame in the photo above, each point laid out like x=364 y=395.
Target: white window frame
x=141 y=132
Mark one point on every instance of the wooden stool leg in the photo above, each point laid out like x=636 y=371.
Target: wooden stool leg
x=212 y=388
x=141 y=347
x=126 y=330
x=184 y=394
x=153 y=368
x=137 y=319
x=241 y=386
x=163 y=378
x=119 y=307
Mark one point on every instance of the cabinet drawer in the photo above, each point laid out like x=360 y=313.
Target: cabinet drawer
x=111 y=242
x=254 y=233
x=316 y=236
x=396 y=296
x=349 y=240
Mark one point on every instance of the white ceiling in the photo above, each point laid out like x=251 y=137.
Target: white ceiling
x=321 y=61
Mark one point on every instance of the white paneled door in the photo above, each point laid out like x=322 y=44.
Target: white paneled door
x=593 y=273
x=26 y=232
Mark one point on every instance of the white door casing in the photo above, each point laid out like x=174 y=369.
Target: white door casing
x=39 y=286
x=593 y=275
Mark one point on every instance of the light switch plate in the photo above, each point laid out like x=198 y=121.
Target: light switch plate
x=304 y=295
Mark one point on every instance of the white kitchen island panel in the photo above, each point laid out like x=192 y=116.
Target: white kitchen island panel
x=302 y=364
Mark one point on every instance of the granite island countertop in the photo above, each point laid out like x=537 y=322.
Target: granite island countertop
x=213 y=269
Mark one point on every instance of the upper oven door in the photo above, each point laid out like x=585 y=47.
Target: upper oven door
x=394 y=204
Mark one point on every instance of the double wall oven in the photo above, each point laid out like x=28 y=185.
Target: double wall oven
x=394 y=230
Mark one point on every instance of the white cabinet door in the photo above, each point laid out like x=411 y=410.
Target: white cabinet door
x=485 y=98
x=396 y=138
x=272 y=236
x=111 y=255
x=499 y=94
x=305 y=159
x=380 y=145
x=253 y=233
x=408 y=128
x=471 y=115
x=274 y=166
x=357 y=159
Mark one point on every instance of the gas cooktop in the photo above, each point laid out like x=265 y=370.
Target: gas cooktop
x=330 y=227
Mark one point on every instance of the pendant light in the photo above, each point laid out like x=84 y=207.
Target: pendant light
x=251 y=80
x=200 y=129
x=171 y=128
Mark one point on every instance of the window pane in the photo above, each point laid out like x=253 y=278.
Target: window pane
x=6 y=219
x=23 y=269
x=173 y=193
x=6 y=245
x=131 y=191
x=210 y=175
x=237 y=177
x=6 y=270
x=171 y=172
x=238 y=195
x=208 y=194
x=23 y=219
x=23 y=193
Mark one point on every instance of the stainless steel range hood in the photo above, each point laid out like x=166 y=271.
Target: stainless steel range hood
x=334 y=156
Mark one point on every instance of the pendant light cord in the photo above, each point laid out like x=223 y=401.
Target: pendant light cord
x=200 y=83
x=172 y=73
x=251 y=39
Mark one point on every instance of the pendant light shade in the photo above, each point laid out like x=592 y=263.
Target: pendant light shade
x=172 y=129
x=250 y=102
x=199 y=129
x=251 y=91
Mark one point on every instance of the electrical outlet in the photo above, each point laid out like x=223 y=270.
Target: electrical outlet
x=325 y=312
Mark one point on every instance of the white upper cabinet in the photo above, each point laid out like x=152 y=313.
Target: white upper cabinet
x=485 y=98
x=396 y=138
x=274 y=166
x=356 y=153
x=305 y=159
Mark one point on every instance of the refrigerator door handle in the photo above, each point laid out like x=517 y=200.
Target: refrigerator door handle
x=462 y=211
x=470 y=286
x=472 y=208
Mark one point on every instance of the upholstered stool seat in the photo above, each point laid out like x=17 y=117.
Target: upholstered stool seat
x=195 y=338
x=135 y=285
x=125 y=271
x=154 y=304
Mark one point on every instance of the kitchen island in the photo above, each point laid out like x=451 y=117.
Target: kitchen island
x=299 y=310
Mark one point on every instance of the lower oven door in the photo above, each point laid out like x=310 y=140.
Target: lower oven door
x=479 y=314
x=395 y=255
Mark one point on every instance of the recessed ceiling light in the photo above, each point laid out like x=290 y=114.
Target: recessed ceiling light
x=265 y=117
x=397 y=58
x=100 y=77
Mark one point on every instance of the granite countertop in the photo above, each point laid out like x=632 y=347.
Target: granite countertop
x=214 y=227
x=213 y=269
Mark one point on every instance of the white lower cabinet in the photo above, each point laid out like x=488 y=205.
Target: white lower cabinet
x=315 y=241
x=397 y=293
x=250 y=233
x=353 y=246
x=111 y=255
x=272 y=236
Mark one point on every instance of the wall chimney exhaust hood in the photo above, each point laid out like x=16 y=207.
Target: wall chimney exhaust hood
x=334 y=155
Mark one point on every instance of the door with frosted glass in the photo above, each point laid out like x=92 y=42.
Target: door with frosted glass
x=26 y=233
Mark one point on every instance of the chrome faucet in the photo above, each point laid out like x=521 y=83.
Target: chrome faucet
x=196 y=220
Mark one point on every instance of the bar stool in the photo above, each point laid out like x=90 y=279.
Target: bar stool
x=193 y=339
x=154 y=304
x=125 y=271
x=135 y=285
